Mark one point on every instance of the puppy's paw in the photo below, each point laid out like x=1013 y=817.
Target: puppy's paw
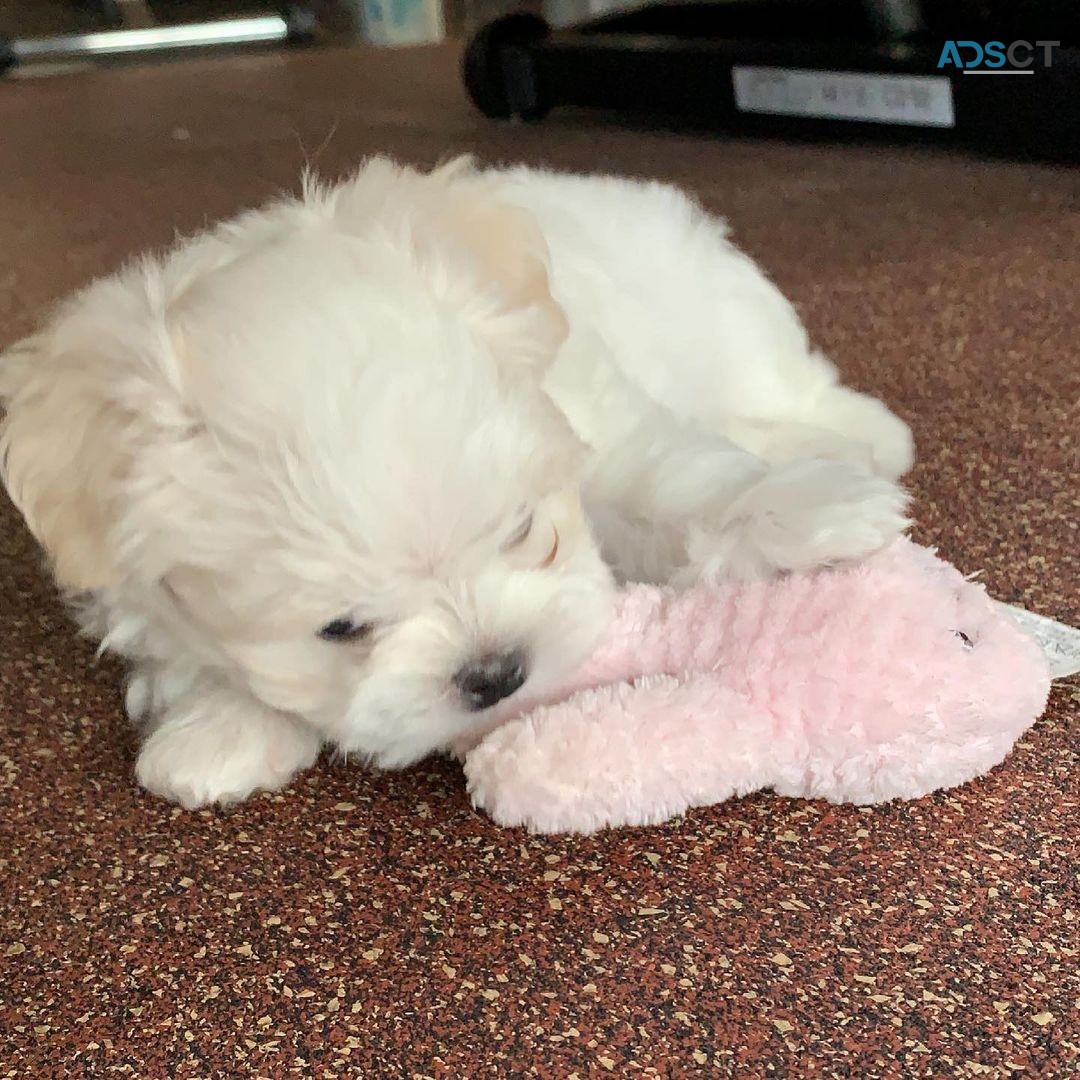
x=801 y=516
x=150 y=689
x=867 y=421
x=138 y=694
x=220 y=748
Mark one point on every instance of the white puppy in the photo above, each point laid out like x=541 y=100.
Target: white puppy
x=355 y=467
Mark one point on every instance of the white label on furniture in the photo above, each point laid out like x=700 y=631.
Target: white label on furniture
x=1061 y=643
x=923 y=100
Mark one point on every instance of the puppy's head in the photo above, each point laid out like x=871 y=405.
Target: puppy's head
x=309 y=451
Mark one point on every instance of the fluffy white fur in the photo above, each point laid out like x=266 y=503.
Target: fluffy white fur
x=347 y=404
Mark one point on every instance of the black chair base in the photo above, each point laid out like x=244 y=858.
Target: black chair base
x=694 y=63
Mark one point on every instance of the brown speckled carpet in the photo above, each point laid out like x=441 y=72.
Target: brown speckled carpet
x=375 y=926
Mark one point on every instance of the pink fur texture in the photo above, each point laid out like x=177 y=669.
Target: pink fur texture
x=890 y=679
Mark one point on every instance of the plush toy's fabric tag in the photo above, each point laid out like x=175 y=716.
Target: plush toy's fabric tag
x=1059 y=642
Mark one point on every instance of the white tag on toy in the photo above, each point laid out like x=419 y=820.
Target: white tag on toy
x=1059 y=642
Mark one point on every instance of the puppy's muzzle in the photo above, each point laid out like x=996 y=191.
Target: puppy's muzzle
x=491 y=678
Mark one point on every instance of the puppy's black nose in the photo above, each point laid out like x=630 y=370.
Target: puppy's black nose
x=491 y=678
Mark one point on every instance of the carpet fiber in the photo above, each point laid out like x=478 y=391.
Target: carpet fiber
x=374 y=925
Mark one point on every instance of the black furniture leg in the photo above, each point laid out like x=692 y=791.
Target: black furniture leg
x=819 y=69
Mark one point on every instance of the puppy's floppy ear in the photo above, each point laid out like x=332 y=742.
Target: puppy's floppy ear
x=59 y=458
x=488 y=256
x=510 y=251
x=71 y=425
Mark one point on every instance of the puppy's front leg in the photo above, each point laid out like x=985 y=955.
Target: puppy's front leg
x=214 y=744
x=648 y=490
x=672 y=503
x=797 y=517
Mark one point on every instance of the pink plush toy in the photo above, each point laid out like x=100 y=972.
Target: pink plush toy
x=889 y=679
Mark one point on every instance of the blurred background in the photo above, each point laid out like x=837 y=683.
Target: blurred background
x=429 y=21
x=736 y=65
x=377 y=21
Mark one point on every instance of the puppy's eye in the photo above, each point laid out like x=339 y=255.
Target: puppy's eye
x=550 y=557
x=345 y=629
x=521 y=534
